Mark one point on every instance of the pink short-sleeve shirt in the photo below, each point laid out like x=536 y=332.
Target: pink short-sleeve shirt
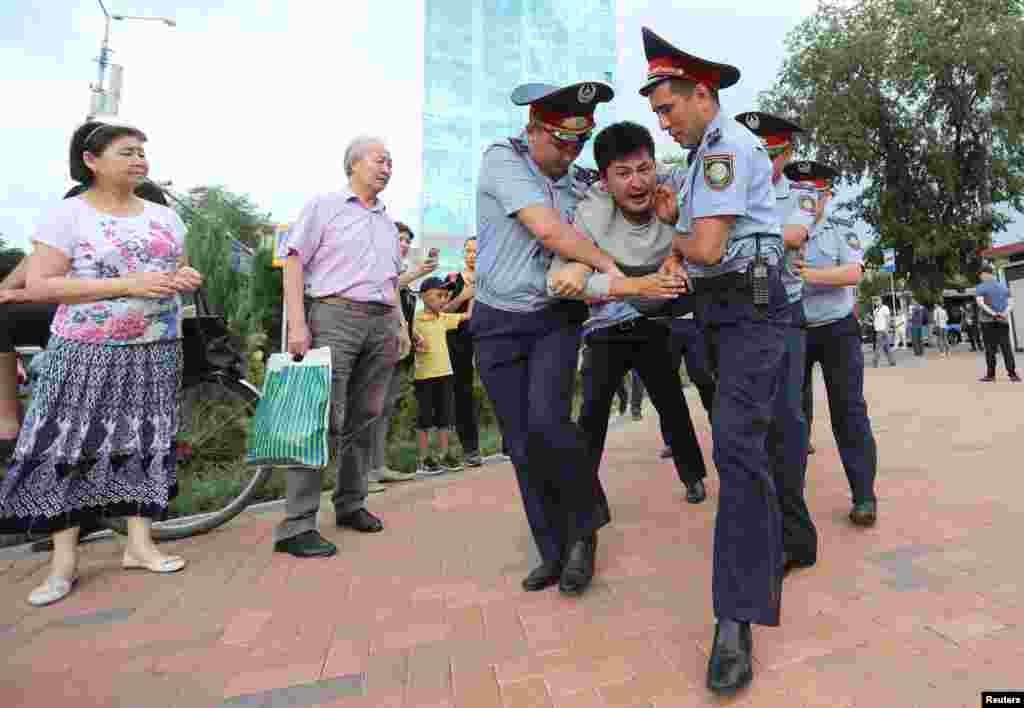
x=346 y=249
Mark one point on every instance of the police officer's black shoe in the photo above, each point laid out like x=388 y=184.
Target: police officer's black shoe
x=792 y=563
x=731 y=666
x=695 y=493
x=864 y=513
x=579 y=566
x=543 y=576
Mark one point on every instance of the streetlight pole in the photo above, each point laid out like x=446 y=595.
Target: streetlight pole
x=100 y=90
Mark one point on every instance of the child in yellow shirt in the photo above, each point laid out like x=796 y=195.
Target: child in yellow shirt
x=433 y=376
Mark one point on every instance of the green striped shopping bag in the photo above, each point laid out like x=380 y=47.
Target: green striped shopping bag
x=292 y=418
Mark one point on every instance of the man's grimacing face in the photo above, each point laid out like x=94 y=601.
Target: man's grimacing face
x=631 y=182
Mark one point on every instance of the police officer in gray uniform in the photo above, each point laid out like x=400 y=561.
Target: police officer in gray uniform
x=731 y=240
x=527 y=341
x=831 y=270
x=788 y=442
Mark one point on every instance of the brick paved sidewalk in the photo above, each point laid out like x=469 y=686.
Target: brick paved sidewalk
x=926 y=609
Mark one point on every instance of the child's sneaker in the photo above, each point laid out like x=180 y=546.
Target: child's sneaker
x=429 y=468
x=451 y=463
x=473 y=459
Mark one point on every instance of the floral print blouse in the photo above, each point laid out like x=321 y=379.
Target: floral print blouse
x=104 y=246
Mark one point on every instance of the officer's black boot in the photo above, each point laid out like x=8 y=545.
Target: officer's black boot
x=579 y=566
x=731 y=666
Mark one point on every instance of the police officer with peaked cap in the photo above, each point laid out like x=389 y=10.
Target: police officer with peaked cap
x=831 y=269
x=526 y=340
x=733 y=248
x=788 y=442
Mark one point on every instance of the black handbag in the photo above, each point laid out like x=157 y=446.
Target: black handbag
x=207 y=342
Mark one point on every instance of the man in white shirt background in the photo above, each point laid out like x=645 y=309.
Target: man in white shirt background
x=883 y=339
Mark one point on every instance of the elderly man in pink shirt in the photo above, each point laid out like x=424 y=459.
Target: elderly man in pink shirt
x=340 y=290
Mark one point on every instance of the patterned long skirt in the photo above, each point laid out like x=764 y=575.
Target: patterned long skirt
x=98 y=438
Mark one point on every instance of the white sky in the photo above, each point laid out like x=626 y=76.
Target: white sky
x=262 y=96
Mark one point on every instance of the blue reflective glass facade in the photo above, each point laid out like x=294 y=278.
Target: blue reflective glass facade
x=477 y=52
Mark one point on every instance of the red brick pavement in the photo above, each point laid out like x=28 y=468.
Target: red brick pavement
x=926 y=609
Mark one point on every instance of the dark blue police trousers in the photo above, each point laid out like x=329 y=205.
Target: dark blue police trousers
x=527 y=362
x=787 y=446
x=747 y=347
x=838 y=348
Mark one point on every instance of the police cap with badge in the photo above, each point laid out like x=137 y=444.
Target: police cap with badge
x=666 y=62
x=567 y=113
x=776 y=133
x=810 y=176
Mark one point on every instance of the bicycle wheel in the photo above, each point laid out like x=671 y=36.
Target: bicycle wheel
x=214 y=482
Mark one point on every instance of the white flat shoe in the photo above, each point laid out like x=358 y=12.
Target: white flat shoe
x=54 y=589
x=167 y=564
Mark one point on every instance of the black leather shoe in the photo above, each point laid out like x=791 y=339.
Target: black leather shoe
x=666 y=452
x=309 y=544
x=791 y=563
x=579 y=566
x=543 y=576
x=696 y=493
x=360 y=520
x=864 y=513
x=731 y=666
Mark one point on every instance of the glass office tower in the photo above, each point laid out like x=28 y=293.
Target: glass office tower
x=476 y=52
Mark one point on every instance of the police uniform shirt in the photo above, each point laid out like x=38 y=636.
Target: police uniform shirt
x=796 y=206
x=828 y=248
x=511 y=264
x=731 y=175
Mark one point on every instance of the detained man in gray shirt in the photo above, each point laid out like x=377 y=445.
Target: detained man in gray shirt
x=631 y=333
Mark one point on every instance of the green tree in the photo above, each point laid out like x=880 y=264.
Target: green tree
x=914 y=100
x=218 y=219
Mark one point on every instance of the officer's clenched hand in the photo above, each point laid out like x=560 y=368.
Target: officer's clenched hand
x=673 y=265
x=570 y=280
x=666 y=205
x=658 y=285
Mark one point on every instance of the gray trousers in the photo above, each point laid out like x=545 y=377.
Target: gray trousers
x=363 y=338
x=379 y=428
x=883 y=342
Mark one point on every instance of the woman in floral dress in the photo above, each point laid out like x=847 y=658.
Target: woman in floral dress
x=98 y=438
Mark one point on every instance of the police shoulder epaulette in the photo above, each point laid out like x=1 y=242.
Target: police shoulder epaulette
x=714 y=136
x=519 y=145
x=589 y=177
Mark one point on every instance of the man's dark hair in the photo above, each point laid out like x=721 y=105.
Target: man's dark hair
x=404 y=229
x=618 y=141
x=95 y=137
